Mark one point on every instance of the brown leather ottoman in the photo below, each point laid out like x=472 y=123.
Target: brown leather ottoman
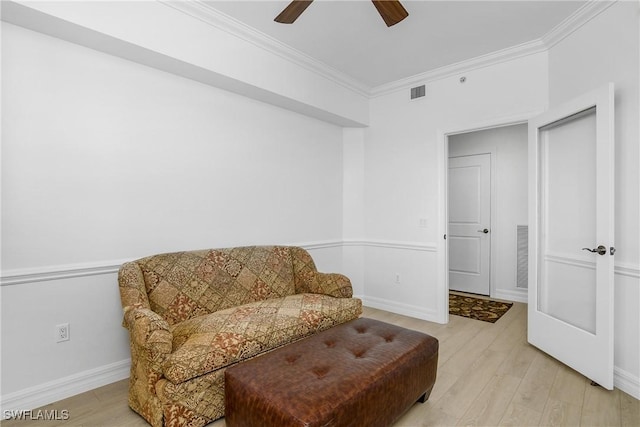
x=361 y=373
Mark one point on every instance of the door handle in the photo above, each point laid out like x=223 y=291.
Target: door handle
x=485 y=231
x=600 y=250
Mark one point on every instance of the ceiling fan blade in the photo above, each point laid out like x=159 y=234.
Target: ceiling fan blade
x=391 y=11
x=290 y=13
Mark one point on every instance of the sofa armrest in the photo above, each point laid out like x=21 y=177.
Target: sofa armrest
x=133 y=292
x=333 y=284
x=150 y=332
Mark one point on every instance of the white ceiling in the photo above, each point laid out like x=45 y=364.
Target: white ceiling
x=350 y=36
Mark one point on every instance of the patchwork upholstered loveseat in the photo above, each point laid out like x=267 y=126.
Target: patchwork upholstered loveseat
x=190 y=315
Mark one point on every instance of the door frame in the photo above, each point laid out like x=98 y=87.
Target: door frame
x=442 y=152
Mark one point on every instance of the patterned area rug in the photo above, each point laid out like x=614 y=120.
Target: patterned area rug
x=476 y=308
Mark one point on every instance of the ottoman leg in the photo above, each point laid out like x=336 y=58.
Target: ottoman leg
x=425 y=396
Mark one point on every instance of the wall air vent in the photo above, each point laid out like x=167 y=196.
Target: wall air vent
x=522 y=280
x=417 y=92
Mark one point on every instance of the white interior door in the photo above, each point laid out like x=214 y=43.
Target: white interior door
x=469 y=233
x=571 y=203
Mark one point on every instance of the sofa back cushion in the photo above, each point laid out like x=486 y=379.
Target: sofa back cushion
x=184 y=285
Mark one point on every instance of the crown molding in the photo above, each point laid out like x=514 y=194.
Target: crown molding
x=576 y=20
x=573 y=22
x=207 y=14
x=493 y=58
x=202 y=11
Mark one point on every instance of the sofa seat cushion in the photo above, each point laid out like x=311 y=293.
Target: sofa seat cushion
x=213 y=341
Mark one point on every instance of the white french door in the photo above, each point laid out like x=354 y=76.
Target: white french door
x=571 y=226
x=469 y=213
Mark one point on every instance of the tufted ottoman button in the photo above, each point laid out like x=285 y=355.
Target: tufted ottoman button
x=388 y=338
x=291 y=359
x=320 y=371
x=330 y=344
x=358 y=353
x=361 y=373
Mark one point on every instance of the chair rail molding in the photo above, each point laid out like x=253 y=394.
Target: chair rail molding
x=59 y=272
x=393 y=244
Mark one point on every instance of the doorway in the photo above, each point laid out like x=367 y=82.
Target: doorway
x=486 y=205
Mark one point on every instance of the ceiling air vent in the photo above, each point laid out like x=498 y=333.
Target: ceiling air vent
x=417 y=92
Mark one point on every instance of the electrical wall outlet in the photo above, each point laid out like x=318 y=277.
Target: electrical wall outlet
x=62 y=332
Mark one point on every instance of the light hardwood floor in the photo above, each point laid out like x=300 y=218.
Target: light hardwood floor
x=487 y=376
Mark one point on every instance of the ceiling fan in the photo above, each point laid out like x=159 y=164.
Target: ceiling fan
x=391 y=11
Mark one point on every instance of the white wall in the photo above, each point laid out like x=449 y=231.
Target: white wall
x=607 y=49
x=193 y=40
x=353 y=207
x=508 y=148
x=402 y=185
x=103 y=160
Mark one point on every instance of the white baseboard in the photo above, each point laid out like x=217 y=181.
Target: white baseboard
x=53 y=391
x=626 y=382
x=511 y=295
x=622 y=379
x=400 y=308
